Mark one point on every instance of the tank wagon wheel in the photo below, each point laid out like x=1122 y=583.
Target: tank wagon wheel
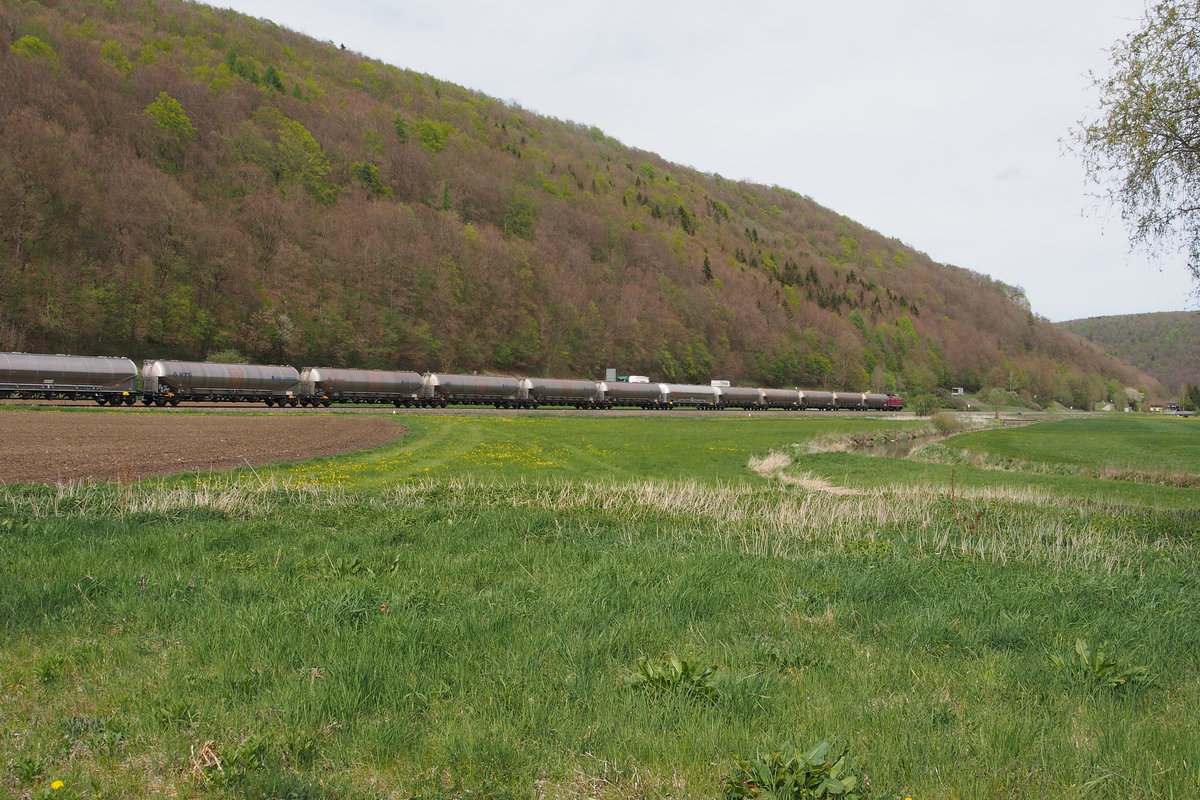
x=174 y=402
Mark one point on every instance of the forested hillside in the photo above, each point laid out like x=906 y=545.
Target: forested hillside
x=177 y=180
x=1165 y=345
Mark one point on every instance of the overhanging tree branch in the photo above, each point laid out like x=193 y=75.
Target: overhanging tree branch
x=1143 y=146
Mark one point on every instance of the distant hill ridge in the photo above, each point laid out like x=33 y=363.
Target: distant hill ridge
x=1165 y=345
x=177 y=180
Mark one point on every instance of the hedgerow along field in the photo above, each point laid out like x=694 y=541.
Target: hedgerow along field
x=647 y=607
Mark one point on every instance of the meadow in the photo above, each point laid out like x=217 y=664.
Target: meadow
x=643 y=607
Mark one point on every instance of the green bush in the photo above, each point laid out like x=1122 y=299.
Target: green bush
x=924 y=404
x=227 y=356
x=947 y=423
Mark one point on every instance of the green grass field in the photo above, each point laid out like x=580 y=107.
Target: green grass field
x=527 y=607
x=1134 y=442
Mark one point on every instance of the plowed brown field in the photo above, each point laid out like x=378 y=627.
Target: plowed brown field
x=55 y=447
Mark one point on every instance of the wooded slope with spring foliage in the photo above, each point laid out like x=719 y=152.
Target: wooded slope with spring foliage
x=178 y=180
x=1165 y=345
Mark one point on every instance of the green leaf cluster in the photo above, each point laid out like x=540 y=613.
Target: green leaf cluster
x=170 y=117
x=111 y=52
x=32 y=47
x=367 y=174
x=675 y=676
x=294 y=158
x=1096 y=670
x=520 y=217
x=432 y=135
x=785 y=774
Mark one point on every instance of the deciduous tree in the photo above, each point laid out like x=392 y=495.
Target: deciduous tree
x=1143 y=146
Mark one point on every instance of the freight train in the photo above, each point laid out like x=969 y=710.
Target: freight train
x=117 y=381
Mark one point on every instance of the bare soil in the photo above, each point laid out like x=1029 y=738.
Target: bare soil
x=53 y=447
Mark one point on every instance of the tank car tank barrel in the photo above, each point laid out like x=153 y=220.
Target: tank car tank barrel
x=113 y=380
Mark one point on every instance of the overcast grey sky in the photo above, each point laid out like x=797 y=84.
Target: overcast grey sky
x=937 y=122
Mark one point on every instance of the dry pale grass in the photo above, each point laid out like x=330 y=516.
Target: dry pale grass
x=773 y=465
x=611 y=783
x=770 y=464
x=1003 y=524
x=775 y=519
x=204 y=761
x=244 y=496
x=1184 y=480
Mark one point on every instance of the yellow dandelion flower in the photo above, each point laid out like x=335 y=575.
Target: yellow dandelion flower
x=56 y=785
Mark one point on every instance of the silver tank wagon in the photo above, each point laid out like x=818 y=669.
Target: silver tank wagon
x=501 y=390
x=171 y=381
x=849 y=401
x=742 y=397
x=560 y=392
x=686 y=394
x=822 y=400
x=876 y=402
x=325 y=385
x=638 y=395
x=109 y=380
x=781 y=398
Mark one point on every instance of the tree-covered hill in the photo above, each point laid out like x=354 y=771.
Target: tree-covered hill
x=1165 y=345
x=177 y=180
